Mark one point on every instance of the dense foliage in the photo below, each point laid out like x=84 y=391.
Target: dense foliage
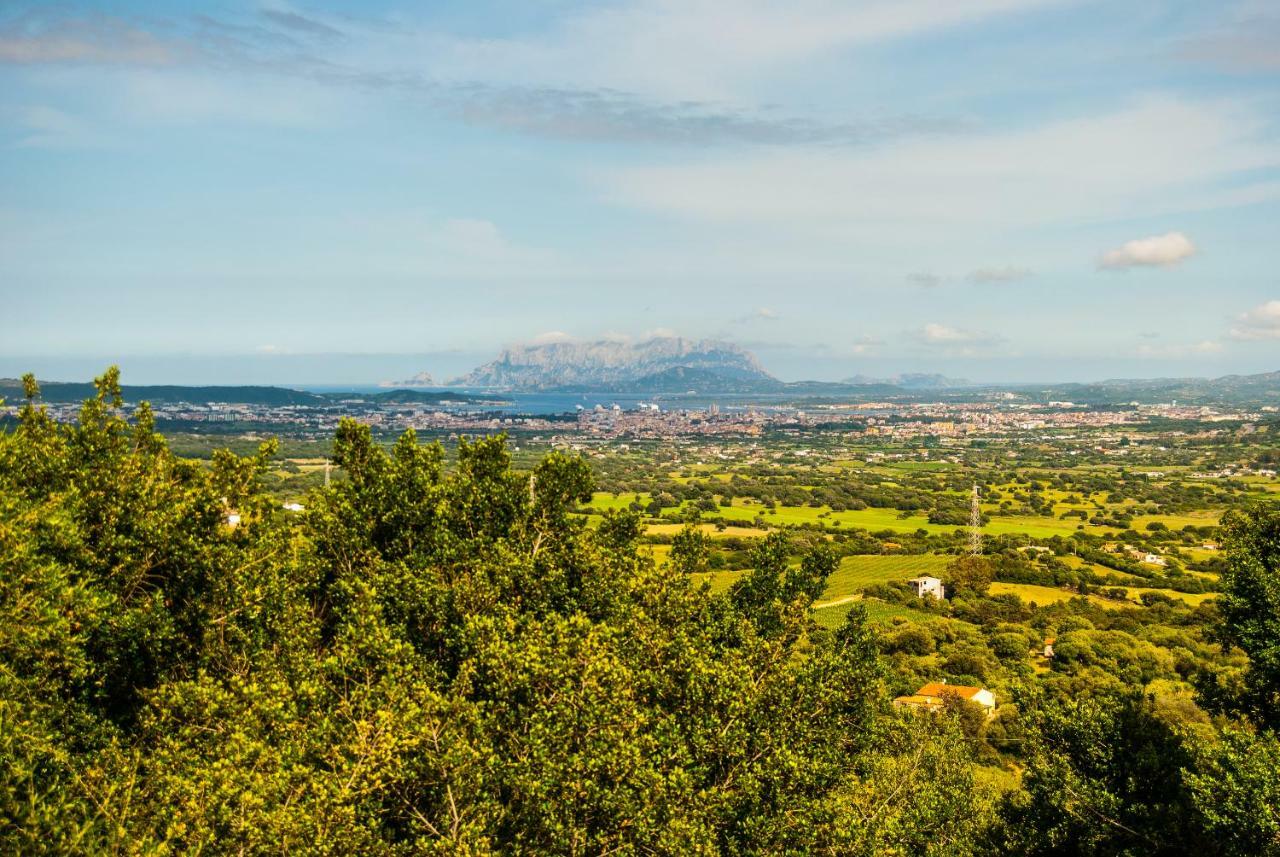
x=423 y=662
x=447 y=659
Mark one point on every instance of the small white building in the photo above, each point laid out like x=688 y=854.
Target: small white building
x=1154 y=559
x=926 y=587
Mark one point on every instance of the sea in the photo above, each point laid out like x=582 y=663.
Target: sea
x=544 y=404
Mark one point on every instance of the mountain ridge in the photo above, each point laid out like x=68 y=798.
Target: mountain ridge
x=605 y=362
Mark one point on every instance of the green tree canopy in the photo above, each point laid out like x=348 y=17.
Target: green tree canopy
x=428 y=660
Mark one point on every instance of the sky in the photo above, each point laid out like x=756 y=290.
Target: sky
x=999 y=190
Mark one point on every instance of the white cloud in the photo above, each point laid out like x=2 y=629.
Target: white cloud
x=1158 y=251
x=698 y=48
x=1261 y=322
x=1006 y=274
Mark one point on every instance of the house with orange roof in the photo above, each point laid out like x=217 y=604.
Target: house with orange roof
x=933 y=697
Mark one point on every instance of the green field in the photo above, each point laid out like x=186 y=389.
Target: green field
x=854 y=574
x=878 y=612
x=875 y=519
x=1042 y=595
x=858 y=572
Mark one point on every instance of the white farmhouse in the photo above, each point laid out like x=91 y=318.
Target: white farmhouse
x=926 y=587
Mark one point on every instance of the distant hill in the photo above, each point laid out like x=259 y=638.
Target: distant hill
x=75 y=391
x=1260 y=389
x=910 y=381
x=687 y=379
x=168 y=394
x=609 y=364
x=421 y=397
x=422 y=379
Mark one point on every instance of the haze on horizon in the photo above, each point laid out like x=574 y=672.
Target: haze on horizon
x=1001 y=190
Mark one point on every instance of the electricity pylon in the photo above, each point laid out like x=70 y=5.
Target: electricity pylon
x=975 y=523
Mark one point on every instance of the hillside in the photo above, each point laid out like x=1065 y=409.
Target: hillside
x=687 y=379
x=75 y=391
x=1262 y=388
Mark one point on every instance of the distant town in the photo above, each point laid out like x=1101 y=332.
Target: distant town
x=944 y=421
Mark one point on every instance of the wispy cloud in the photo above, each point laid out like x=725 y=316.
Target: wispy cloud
x=290 y=45
x=763 y=313
x=1249 y=41
x=613 y=116
x=99 y=40
x=1142 y=159
x=942 y=335
x=301 y=24
x=924 y=279
x=1158 y=251
x=1202 y=348
x=865 y=344
x=551 y=336
x=1261 y=322
x=45 y=127
x=707 y=49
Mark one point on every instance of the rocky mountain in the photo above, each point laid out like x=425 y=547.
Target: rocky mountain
x=608 y=363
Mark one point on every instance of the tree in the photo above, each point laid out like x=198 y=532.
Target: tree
x=1103 y=778
x=690 y=550
x=1250 y=607
x=429 y=660
x=968 y=575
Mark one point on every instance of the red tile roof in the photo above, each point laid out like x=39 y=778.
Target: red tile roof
x=937 y=688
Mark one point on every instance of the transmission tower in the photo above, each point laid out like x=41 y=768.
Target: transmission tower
x=975 y=523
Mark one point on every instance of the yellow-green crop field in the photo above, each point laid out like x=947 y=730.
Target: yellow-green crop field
x=1042 y=595
x=878 y=519
x=855 y=573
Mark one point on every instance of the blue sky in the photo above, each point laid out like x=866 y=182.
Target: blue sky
x=330 y=192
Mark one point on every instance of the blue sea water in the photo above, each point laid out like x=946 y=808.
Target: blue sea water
x=541 y=404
